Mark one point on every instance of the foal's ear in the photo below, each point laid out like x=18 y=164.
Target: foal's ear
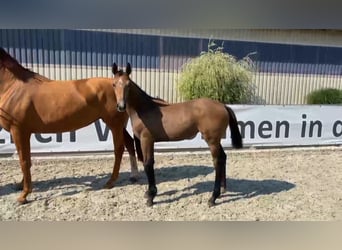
x=2 y=52
x=128 y=69
x=115 y=68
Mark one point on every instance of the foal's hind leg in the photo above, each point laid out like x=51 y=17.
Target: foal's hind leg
x=224 y=175
x=219 y=159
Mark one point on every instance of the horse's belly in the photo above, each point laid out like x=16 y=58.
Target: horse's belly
x=178 y=134
x=59 y=127
x=60 y=121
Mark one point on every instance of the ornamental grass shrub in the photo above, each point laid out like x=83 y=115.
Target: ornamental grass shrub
x=219 y=76
x=325 y=96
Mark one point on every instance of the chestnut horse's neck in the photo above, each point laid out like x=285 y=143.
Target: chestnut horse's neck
x=11 y=77
x=20 y=73
x=7 y=80
x=12 y=71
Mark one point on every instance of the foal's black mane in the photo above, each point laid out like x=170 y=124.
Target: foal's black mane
x=154 y=100
x=18 y=71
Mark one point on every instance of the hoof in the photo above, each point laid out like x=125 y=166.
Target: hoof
x=108 y=185
x=22 y=201
x=149 y=202
x=133 y=179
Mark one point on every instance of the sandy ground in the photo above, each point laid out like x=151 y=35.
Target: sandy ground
x=287 y=184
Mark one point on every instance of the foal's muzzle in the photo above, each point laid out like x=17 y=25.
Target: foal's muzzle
x=121 y=106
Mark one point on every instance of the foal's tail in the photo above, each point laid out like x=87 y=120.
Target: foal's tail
x=234 y=129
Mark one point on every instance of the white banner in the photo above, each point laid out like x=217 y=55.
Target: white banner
x=269 y=125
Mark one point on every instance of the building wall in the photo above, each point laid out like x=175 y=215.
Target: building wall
x=289 y=63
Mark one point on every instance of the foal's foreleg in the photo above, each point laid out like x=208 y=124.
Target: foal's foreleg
x=147 y=149
x=152 y=188
x=219 y=159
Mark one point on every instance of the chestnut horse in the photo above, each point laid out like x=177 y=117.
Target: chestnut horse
x=31 y=103
x=159 y=121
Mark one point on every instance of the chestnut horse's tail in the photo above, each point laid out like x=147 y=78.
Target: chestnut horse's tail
x=138 y=148
x=234 y=129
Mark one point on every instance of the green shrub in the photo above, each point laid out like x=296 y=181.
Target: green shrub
x=325 y=96
x=217 y=75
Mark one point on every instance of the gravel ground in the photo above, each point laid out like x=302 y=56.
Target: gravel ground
x=267 y=185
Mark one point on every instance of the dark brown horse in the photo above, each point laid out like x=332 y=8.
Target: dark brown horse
x=31 y=103
x=154 y=121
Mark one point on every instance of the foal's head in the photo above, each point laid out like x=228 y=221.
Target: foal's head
x=121 y=85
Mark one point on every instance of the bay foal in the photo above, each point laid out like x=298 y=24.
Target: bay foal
x=154 y=121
